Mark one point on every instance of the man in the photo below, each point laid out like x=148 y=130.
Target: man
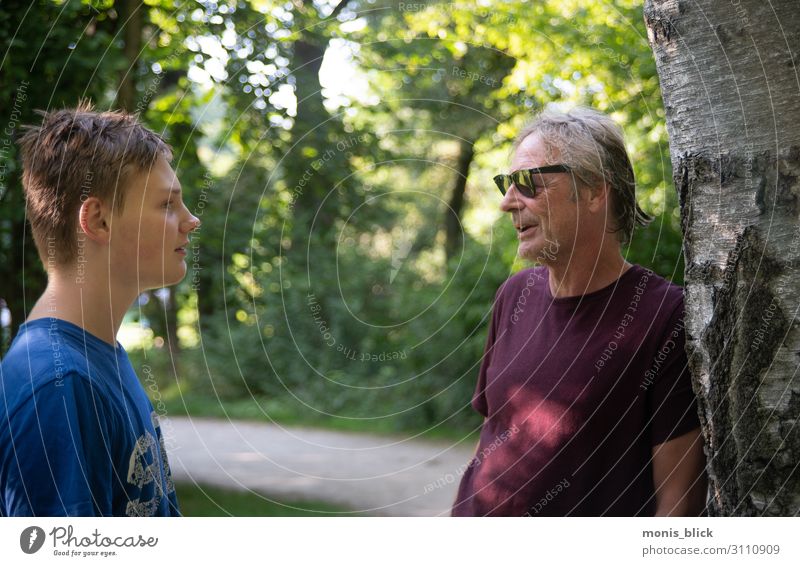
x=584 y=385
x=78 y=435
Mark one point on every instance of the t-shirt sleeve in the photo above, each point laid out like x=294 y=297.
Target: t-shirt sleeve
x=671 y=401
x=479 y=402
x=55 y=441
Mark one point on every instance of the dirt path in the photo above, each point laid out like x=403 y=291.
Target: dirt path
x=372 y=474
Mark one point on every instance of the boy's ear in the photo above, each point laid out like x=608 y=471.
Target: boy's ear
x=95 y=220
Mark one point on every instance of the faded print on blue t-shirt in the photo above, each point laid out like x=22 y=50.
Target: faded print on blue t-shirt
x=78 y=435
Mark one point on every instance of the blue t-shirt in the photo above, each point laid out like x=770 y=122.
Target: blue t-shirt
x=78 y=435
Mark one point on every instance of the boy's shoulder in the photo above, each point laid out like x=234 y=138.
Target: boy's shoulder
x=47 y=354
x=40 y=352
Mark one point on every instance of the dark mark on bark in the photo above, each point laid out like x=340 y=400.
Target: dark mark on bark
x=745 y=462
x=659 y=22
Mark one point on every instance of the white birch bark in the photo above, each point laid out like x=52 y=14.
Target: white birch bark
x=731 y=88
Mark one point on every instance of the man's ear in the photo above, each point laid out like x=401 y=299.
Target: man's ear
x=598 y=196
x=95 y=220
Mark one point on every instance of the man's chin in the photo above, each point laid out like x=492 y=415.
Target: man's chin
x=530 y=253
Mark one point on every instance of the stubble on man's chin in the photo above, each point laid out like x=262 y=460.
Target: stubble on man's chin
x=545 y=254
x=531 y=256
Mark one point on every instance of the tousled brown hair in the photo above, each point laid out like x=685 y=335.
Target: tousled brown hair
x=592 y=144
x=74 y=154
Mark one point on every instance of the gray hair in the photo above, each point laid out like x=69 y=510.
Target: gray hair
x=592 y=144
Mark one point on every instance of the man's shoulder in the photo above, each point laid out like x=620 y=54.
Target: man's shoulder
x=656 y=288
x=529 y=278
x=652 y=303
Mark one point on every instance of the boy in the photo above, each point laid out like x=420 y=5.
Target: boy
x=78 y=435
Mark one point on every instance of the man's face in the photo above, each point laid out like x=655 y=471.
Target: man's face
x=547 y=223
x=149 y=239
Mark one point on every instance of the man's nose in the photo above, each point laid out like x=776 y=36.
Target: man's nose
x=511 y=200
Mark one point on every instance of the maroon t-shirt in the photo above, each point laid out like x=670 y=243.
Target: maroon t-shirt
x=576 y=391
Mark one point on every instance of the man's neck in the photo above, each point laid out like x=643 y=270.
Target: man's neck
x=89 y=302
x=577 y=276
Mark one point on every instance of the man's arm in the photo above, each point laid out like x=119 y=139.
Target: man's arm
x=679 y=476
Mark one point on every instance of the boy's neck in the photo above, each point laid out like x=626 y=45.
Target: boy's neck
x=94 y=304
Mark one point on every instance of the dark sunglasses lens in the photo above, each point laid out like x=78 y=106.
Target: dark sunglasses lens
x=522 y=180
x=502 y=182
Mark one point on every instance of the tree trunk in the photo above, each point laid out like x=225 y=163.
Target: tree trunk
x=171 y=315
x=730 y=86
x=452 y=218
x=311 y=131
x=28 y=280
x=130 y=18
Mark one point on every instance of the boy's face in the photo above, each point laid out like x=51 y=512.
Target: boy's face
x=149 y=239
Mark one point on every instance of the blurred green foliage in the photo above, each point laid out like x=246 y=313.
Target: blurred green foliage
x=322 y=151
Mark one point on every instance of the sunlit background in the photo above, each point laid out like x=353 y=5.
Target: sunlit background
x=340 y=158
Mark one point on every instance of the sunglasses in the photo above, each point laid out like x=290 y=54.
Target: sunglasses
x=524 y=179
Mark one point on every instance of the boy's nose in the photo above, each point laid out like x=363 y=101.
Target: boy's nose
x=190 y=225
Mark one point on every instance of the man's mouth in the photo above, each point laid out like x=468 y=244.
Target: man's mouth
x=523 y=228
x=182 y=249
